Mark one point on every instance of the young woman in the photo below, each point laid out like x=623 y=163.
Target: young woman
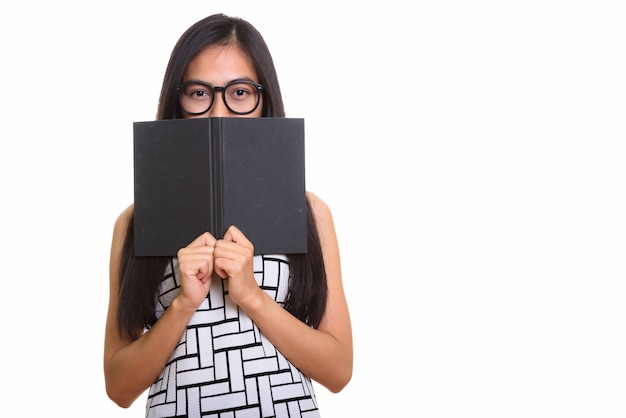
x=201 y=331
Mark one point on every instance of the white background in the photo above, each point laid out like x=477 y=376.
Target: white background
x=472 y=154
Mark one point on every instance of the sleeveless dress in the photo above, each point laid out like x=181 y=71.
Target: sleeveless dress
x=223 y=365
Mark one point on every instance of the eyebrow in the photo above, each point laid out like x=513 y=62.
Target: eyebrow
x=211 y=84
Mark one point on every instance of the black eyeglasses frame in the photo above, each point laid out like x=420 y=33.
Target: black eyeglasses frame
x=222 y=89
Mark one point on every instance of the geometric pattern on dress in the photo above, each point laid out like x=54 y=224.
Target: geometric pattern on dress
x=223 y=365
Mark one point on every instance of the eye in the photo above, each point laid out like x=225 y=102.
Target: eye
x=198 y=92
x=241 y=91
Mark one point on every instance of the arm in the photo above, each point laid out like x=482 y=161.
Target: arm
x=130 y=367
x=324 y=354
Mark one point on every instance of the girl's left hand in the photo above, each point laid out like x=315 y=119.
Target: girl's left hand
x=233 y=260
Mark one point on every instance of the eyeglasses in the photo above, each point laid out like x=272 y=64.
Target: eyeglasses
x=240 y=97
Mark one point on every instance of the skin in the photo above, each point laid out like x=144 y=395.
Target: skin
x=324 y=354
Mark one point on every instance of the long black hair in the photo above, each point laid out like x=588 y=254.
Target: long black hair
x=140 y=277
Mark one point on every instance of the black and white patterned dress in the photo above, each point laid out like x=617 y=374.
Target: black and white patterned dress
x=223 y=365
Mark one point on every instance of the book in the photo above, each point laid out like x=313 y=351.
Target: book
x=197 y=175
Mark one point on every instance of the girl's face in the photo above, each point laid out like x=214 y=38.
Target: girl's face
x=218 y=66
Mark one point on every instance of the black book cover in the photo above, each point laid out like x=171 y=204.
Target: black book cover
x=197 y=175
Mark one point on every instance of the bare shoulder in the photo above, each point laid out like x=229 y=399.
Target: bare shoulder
x=323 y=219
x=117 y=244
x=123 y=219
x=120 y=228
x=320 y=209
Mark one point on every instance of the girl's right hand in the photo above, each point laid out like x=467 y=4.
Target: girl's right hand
x=195 y=263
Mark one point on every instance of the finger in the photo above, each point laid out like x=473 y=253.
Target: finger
x=220 y=272
x=205 y=239
x=203 y=272
x=234 y=234
x=233 y=250
x=196 y=264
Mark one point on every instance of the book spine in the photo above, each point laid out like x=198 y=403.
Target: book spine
x=217 y=186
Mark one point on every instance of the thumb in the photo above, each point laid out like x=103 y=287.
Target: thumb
x=234 y=234
x=206 y=239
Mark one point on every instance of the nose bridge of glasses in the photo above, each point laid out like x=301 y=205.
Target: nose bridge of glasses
x=219 y=107
x=220 y=89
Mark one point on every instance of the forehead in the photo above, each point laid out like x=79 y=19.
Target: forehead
x=219 y=65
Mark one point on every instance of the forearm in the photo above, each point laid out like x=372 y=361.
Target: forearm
x=133 y=368
x=318 y=354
